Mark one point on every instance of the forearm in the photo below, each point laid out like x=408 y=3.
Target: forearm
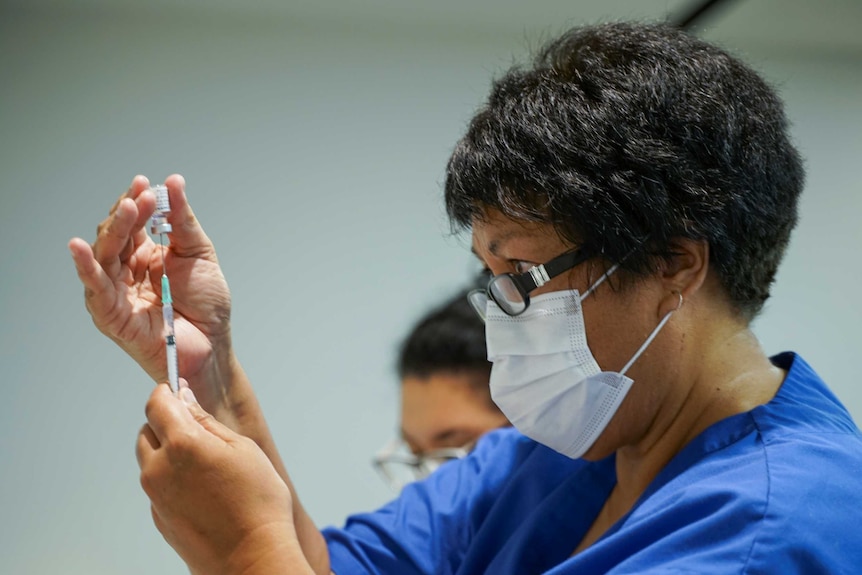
x=236 y=406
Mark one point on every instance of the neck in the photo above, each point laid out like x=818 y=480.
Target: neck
x=728 y=374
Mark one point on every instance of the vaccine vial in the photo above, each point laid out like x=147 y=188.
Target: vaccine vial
x=159 y=220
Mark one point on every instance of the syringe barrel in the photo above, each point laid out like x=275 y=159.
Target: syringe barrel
x=173 y=371
x=168 y=316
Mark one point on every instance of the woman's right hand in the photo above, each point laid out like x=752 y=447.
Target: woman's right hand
x=121 y=273
x=216 y=498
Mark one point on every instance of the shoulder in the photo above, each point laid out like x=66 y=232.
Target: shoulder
x=779 y=484
x=804 y=403
x=811 y=447
x=812 y=460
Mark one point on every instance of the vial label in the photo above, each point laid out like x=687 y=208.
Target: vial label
x=162 y=203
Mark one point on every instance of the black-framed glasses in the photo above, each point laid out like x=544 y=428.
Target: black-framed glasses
x=511 y=292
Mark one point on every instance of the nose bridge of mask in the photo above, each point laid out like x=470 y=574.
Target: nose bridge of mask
x=562 y=327
x=562 y=321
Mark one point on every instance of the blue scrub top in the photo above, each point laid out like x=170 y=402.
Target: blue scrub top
x=774 y=490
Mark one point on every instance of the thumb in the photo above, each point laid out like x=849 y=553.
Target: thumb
x=188 y=237
x=204 y=419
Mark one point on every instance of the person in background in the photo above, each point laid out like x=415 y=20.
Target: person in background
x=446 y=403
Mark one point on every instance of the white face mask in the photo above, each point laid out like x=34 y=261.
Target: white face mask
x=544 y=377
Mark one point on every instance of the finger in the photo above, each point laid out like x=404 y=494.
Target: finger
x=139 y=184
x=188 y=237
x=114 y=236
x=204 y=419
x=146 y=204
x=118 y=218
x=98 y=288
x=166 y=415
x=146 y=446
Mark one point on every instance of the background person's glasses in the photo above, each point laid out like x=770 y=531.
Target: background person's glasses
x=511 y=292
x=398 y=466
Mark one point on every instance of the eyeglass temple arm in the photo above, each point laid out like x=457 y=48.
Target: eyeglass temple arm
x=538 y=276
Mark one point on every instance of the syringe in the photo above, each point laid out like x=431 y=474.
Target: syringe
x=170 y=340
x=159 y=225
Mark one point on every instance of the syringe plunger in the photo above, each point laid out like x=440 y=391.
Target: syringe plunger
x=159 y=220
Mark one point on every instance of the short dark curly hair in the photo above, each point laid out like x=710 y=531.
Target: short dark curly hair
x=628 y=135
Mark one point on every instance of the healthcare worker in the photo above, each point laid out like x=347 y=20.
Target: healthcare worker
x=633 y=192
x=446 y=402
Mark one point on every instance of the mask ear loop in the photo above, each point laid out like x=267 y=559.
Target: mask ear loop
x=608 y=273
x=652 y=335
x=600 y=281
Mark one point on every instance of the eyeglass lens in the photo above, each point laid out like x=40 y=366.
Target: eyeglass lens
x=507 y=295
x=478 y=299
x=398 y=466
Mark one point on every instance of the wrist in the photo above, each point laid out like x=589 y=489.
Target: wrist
x=226 y=392
x=227 y=385
x=268 y=550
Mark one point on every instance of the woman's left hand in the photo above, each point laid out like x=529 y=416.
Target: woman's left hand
x=216 y=498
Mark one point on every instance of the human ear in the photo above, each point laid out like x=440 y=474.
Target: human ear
x=685 y=272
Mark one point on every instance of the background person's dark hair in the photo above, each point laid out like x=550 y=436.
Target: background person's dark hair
x=623 y=132
x=450 y=338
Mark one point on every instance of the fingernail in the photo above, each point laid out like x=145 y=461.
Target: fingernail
x=188 y=396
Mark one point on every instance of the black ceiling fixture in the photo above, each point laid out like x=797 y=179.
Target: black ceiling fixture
x=697 y=12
